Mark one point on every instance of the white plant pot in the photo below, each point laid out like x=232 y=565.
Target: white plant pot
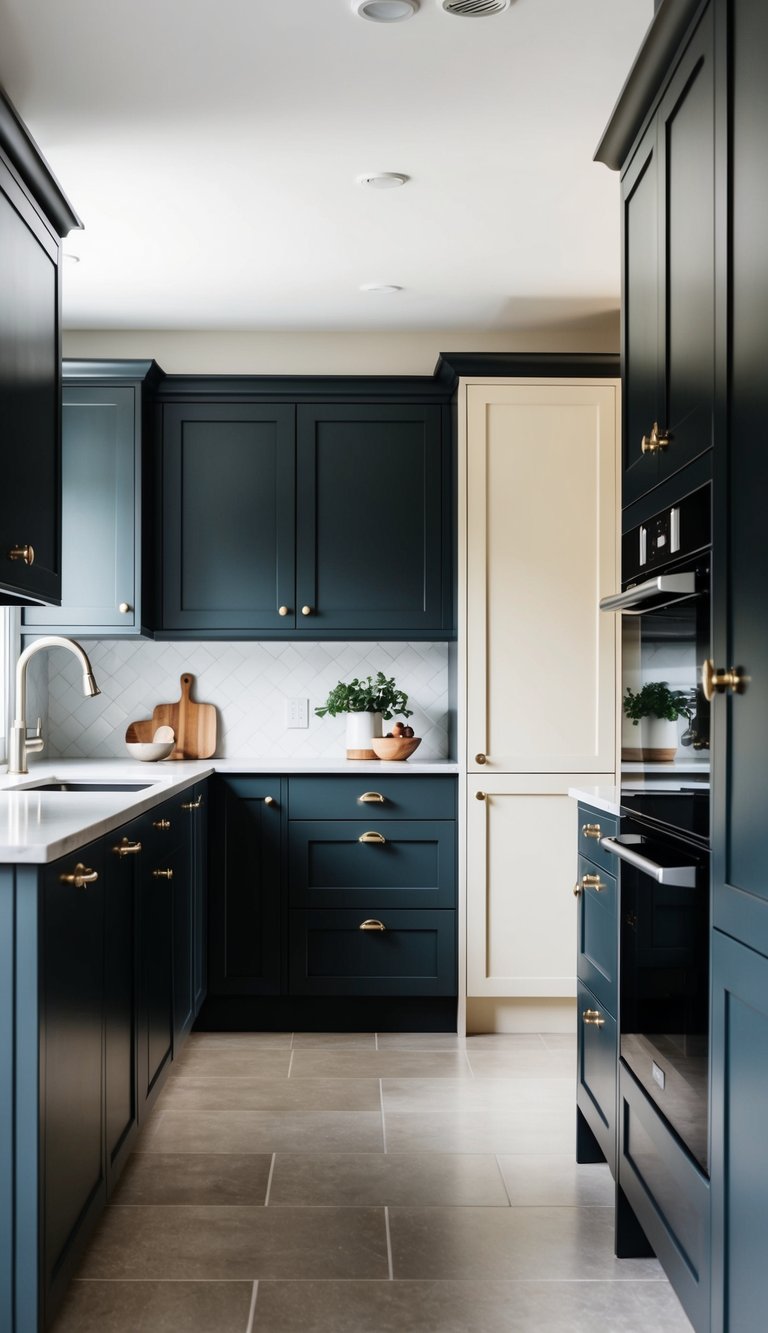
x=360 y=728
x=659 y=740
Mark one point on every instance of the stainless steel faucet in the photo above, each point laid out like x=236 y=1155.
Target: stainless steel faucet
x=20 y=743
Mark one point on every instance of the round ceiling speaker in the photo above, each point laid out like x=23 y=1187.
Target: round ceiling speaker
x=385 y=11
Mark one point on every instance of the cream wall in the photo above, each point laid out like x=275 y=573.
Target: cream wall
x=187 y=352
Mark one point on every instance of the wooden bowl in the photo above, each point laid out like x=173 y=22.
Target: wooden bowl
x=394 y=747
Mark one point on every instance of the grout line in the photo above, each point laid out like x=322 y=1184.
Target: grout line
x=252 y=1311
x=389 y=1246
x=269 y=1179
x=290 y=1062
x=375 y=1041
x=293 y=1040
x=383 y=1121
x=503 y=1181
x=469 y=1063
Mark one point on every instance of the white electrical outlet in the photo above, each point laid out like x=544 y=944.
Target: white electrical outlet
x=297 y=712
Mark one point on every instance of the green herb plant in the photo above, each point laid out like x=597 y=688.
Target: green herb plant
x=656 y=699
x=367 y=696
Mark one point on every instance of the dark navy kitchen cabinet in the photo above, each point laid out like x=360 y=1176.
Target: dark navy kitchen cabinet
x=105 y=502
x=121 y=997
x=412 y=863
x=160 y=846
x=668 y=199
x=34 y=214
x=381 y=952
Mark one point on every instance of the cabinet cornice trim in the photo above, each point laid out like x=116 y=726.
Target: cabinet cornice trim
x=303 y=388
x=453 y=366
x=25 y=157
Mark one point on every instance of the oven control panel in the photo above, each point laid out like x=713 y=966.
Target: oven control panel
x=667 y=537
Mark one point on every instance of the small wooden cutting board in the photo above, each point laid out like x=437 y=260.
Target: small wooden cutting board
x=193 y=724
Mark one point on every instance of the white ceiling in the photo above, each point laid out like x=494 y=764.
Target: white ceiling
x=212 y=152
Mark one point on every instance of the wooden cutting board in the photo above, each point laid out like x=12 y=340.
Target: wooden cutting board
x=194 y=725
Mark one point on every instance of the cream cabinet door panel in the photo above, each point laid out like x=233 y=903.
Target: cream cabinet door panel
x=541 y=551
x=521 y=869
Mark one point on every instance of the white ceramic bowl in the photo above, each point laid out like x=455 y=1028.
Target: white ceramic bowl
x=149 y=750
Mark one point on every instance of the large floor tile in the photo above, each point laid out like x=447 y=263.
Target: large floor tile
x=353 y=1040
x=155 y=1307
x=560 y=1041
x=263 y=1131
x=420 y=1041
x=379 y=1064
x=480 y=1131
x=193 y=1092
x=523 y=1064
x=566 y=1244
x=505 y=1041
x=240 y=1041
x=233 y=1062
x=215 y=1178
x=482 y=1094
x=556 y=1180
x=350 y=1179
x=468 y=1307
x=238 y=1243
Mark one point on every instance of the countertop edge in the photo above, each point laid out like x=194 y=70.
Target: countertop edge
x=607 y=799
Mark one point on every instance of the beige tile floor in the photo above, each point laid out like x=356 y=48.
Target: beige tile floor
x=365 y=1183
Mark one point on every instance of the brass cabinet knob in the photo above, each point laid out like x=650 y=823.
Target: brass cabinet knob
x=25 y=553
x=269 y=800
x=593 y=1018
x=714 y=681
x=193 y=805
x=591 y=830
x=577 y=890
x=282 y=610
x=481 y=759
x=370 y=798
x=124 y=608
x=372 y=924
x=377 y=838
x=127 y=848
x=479 y=795
x=162 y=874
x=656 y=441
x=161 y=823
x=80 y=876
x=593 y=882
x=306 y=610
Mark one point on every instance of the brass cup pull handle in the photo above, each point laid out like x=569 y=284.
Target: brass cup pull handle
x=25 y=553
x=481 y=759
x=162 y=874
x=161 y=823
x=269 y=800
x=377 y=838
x=657 y=440
x=591 y=830
x=127 y=848
x=193 y=805
x=306 y=610
x=80 y=876
x=282 y=610
x=717 y=681
x=593 y=882
x=593 y=1018
x=370 y=798
x=372 y=924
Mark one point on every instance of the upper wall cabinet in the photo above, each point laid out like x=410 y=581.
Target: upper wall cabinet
x=668 y=199
x=33 y=216
x=321 y=520
x=104 y=499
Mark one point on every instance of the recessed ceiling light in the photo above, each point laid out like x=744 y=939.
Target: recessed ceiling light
x=383 y=287
x=385 y=11
x=478 y=9
x=382 y=180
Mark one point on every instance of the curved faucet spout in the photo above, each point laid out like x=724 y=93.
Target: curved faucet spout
x=20 y=745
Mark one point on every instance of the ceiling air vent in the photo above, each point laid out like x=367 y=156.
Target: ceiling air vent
x=478 y=9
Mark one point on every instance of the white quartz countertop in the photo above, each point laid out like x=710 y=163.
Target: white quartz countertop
x=37 y=827
x=607 y=799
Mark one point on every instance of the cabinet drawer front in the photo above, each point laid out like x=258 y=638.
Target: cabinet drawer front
x=597 y=1055
x=403 y=798
x=410 y=864
x=414 y=955
x=598 y=935
x=669 y=1194
x=593 y=825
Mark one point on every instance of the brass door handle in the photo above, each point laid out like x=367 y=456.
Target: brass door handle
x=593 y=1018
x=370 y=798
x=306 y=610
x=282 y=610
x=593 y=882
x=269 y=800
x=591 y=830
x=127 y=848
x=481 y=759
x=714 y=681
x=25 y=553
x=161 y=823
x=162 y=874
x=372 y=924
x=657 y=440
x=377 y=838
x=80 y=876
x=193 y=805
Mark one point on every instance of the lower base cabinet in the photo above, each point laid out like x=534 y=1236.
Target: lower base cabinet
x=597 y=1045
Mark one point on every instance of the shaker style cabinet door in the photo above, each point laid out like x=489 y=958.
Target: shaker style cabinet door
x=228 y=517
x=541 y=551
x=370 y=520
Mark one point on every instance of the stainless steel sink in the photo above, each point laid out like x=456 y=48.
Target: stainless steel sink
x=75 y=786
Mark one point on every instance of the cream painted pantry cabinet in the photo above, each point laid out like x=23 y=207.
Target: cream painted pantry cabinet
x=539 y=547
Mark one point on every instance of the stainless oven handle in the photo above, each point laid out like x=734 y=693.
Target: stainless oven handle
x=672 y=585
x=682 y=877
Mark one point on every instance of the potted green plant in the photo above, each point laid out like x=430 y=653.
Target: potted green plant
x=365 y=702
x=658 y=707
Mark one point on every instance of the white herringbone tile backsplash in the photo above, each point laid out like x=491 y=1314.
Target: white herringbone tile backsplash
x=249 y=684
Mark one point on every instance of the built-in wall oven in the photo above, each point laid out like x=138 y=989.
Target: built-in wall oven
x=663 y=845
